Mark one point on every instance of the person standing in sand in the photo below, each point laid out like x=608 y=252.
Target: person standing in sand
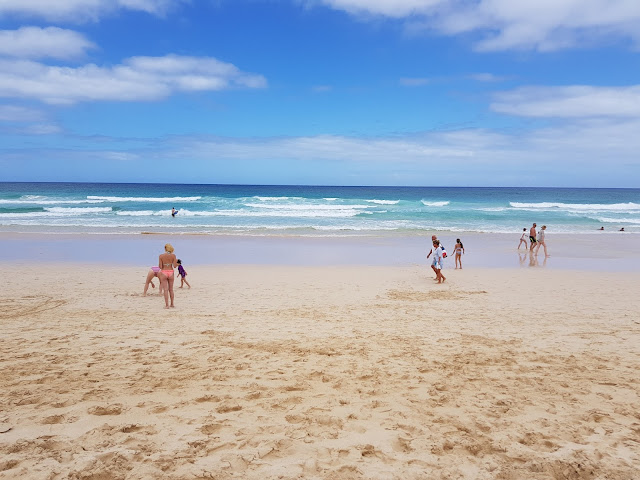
x=433 y=262
x=167 y=262
x=523 y=239
x=182 y=273
x=458 y=250
x=541 y=240
x=437 y=259
x=532 y=237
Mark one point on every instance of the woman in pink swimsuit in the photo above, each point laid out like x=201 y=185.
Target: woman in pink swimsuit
x=167 y=262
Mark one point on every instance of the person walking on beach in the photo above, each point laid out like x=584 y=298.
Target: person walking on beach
x=458 y=250
x=523 y=239
x=167 y=262
x=437 y=259
x=153 y=272
x=541 y=240
x=182 y=273
x=532 y=237
x=433 y=262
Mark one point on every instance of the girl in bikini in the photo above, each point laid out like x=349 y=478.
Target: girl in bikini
x=458 y=250
x=167 y=262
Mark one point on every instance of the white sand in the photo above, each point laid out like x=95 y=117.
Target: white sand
x=352 y=372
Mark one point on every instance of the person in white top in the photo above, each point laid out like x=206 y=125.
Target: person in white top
x=523 y=239
x=437 y=260
x=541 y=240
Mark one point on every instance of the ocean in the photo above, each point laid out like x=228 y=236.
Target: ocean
x=315 y=211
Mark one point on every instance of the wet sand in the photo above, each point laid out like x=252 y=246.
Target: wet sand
x=599 y=251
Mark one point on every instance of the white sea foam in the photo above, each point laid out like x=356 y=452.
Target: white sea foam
x=614 y=207
x=272 y=199
x=143 y=199
x=78 y=210
x=634 y=221
x=142 y=213
x=384 y=202
x=297 y=206
x=491 y=209
x=40 y=201
x=435 y=204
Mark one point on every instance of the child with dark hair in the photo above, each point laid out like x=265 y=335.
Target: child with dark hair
x=458 y=250
x=182 y=273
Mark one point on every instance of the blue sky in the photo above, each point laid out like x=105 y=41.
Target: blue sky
x=332 y=92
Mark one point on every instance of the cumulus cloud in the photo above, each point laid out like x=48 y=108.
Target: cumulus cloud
x=36 y=42
x=545 y=25
x=576 y=101
x=81 y=10
x=136 y=79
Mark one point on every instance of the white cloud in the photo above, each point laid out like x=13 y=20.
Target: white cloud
x=42 y=129
x=570 y=101
x=389 y=8
x=35 y=42
x=414 y=82
x=487 y=77
x=543 y=25
x=14 y=113
x=137 y=79
x=81 y=10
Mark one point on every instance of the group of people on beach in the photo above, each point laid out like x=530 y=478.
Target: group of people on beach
x=440 y=253
x=167 y=261
x=536 y=239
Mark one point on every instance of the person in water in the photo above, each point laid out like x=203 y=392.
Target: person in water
x=174 y=212
x=167 y=261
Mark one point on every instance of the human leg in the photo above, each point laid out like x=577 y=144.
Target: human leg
x=170 y=281
x=148 y=281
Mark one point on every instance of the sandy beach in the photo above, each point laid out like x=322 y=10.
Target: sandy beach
x=341 y=372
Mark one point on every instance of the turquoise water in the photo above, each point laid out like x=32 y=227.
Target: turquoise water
x=310 y=210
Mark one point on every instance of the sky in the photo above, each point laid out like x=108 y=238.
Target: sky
x=321 y=92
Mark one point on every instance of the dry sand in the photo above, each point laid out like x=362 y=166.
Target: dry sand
x=265 y=372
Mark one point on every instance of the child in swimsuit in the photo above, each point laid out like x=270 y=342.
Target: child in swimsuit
x=182 y=273
x=458 y=250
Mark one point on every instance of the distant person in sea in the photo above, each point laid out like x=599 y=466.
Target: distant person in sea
x=182 y=273
x=437 y=259
x=458 y=250
x=532 y=237
x=601 y=228
x=167 y=262
x=523 y=239
x=621 y=230
x=174 y=212
x=153 y=273
x=541 y=241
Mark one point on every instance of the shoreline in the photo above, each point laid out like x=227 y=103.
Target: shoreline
x=606 y=251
